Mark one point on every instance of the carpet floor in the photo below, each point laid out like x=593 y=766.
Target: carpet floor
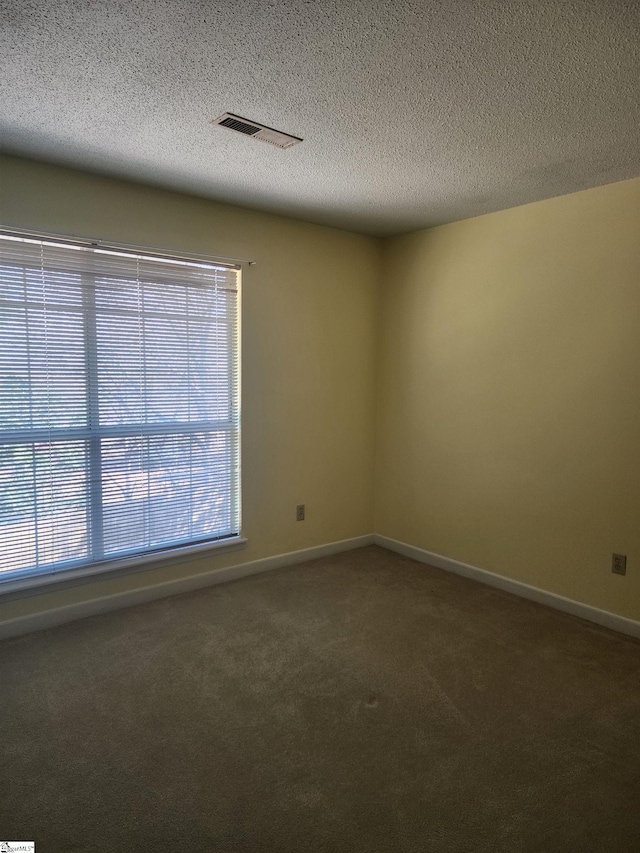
x=362 y=702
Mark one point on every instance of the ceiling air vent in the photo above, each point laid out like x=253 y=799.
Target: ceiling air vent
x=257 y=131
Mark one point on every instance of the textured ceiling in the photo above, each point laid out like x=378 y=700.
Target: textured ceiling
x=412 y=113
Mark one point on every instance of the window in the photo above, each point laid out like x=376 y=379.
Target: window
x=119 y=404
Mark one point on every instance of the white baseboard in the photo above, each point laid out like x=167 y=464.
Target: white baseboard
x=105 y=604
x=96 y=606
x=567 y=605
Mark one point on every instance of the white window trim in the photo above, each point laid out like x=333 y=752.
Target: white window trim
x=151 y=560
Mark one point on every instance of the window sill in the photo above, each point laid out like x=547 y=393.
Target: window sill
x=38 y=583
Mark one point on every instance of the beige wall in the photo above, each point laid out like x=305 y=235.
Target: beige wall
x=307 y=357
x=507 y=364
x=509 y=393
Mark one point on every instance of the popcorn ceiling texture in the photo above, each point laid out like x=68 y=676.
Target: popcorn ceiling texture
x=412 y=113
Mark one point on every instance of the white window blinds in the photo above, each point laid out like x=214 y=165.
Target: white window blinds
x=119 y=404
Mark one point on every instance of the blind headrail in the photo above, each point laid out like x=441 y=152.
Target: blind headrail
x=132 y=249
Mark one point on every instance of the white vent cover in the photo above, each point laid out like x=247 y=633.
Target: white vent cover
x=257 y=131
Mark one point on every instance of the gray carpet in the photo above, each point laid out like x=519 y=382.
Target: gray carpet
x=362 y=702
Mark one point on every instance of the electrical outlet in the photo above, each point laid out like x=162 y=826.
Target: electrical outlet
x=300 y=512
x=619 y=564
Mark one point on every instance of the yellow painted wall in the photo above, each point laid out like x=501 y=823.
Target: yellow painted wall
x=308 y=312
x=507 y=362
x=509 y=393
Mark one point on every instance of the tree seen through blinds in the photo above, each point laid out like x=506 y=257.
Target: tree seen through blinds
x=119 y=404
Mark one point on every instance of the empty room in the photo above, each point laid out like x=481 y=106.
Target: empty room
x=320 y=426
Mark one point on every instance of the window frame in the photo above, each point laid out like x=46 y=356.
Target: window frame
x=16 y=580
